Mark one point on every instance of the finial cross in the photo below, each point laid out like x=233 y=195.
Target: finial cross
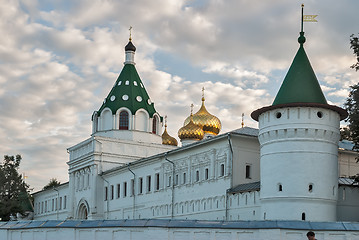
x=192 y=108
x=130 y=29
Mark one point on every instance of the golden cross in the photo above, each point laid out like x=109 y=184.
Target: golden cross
x=192 y=108
x=130 y=33
x=242 y=120
x=166 y=121
x=202 y=91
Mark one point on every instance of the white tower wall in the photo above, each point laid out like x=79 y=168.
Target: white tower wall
x=299 y=148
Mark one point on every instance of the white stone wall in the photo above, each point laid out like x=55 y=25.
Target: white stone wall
x=52 y=204
x=348 y=207
x=348 y=165
x=299 y=163
x=173 y=233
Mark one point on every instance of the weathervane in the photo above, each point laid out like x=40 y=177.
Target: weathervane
x=307 y=18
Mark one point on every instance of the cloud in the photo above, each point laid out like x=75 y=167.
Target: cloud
x=59 y=59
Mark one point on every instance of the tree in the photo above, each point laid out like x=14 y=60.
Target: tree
x=52 y=183
x=354 y=44
x=12 y=188
x=345 y=133
x=352 y=106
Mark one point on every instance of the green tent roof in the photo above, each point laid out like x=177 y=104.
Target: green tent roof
x=128 y=92
x=300 y=85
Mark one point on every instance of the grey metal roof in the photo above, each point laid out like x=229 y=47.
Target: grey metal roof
x=348 y=181
x=345 y=144
x=247 y=187
x=247 y=131
x=168 y=223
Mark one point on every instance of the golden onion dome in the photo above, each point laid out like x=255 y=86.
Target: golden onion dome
x=167 y=139
x=190 y=131
x=208 y=122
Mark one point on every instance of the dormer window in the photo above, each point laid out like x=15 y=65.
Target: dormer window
x=123 y=120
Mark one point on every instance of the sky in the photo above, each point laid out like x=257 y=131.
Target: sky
x=60 y=58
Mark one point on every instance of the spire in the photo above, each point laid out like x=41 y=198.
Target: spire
x=300 y=85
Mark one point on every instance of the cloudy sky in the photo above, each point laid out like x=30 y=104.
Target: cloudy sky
x=60 y=58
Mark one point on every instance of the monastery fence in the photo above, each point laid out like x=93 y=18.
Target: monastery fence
x=175 y=230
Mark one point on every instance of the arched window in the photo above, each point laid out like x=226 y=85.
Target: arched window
x=123 y=120
x=154 y=125
x=303 y=216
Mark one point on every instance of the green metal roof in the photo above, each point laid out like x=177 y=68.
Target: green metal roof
x=300 y=85
x=128 y=92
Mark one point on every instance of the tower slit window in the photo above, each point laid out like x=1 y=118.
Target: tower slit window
x=310 y=187
x=123 y=120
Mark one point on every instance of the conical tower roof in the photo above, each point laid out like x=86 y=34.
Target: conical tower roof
x=128 y=92
x=300 y=85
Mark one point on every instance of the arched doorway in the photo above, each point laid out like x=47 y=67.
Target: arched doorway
x=82 y=210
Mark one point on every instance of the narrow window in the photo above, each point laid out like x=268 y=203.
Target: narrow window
x=45 y=206
x=53 y=205
x=65 y=202
x=148 y=183
x=206 y=174
x=123 y=120
x=132 y=187
x=112 y=192
x=169 y=181
x=140 y=190
x=222 y=170
x=310 y=187
x=125 y=189
x=197 y=176
x=157 y=181
x=60 y=203
x=118 y=190
x=106 y=193
x=176 y=180
x=154 y=125
x=280 y=188
x=184 y=178
x=248 y=171
x=303 y=216
x=344 y=194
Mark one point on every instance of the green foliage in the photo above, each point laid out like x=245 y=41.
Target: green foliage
x=354 y=44
x=352 y=106
x=12 y=188
x=345 y=134
x=53 y=183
